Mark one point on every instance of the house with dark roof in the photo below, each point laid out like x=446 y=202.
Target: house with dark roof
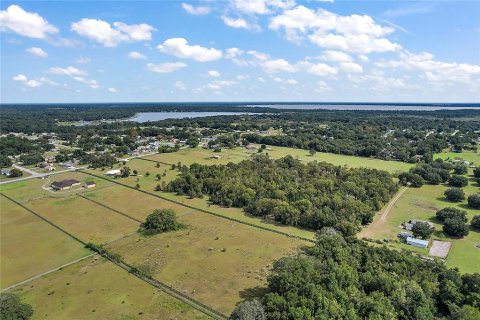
x=89 y=184
x=65 y=184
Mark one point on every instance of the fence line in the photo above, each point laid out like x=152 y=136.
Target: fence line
x=109 y=208
x=203 y=210
x=155 y=283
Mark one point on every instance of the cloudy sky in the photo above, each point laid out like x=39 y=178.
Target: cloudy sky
x=240 y=50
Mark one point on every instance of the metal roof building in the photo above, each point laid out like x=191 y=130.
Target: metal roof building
x=417 y=242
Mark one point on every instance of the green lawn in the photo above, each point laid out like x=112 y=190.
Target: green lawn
x=466 y=155
x=422 y=203
x=30 y=246
x=213 y=260
x=97 y=289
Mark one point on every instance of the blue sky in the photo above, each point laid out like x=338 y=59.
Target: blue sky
x=240 y=50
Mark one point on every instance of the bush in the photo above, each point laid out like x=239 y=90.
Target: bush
x=422 y=230
x=14 y=173
x=460 y=168
x=159 y=221
x=476 y=222
x=455 y=227
x=249 y=310
x=454 y=194
x=447 y=213
x=474 y=201
x=458 y=181
x=11 y=308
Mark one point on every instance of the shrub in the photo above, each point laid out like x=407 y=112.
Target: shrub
x=460 y=168
x=474 y=201
x=455 y=227
x=14 y=173
x=458 y=181
x=476 y=222
x=454 y=194
x=11 y=308
x=160 y=220
x=447 y=213
x=249 y=310
x=422 y=230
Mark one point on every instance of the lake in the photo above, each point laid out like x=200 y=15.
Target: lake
x=157 y=116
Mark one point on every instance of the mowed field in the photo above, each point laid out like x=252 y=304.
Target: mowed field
x=32 y=188
x=30 y=246
x=466 y=155
x=213 y=260
x=86 y=220
x=422 y=203
x=198 y=155
x=97 y=289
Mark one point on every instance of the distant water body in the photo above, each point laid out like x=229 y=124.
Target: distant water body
x=157 y=116
x=377 y=107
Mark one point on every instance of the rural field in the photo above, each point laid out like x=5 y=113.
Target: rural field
x=466 y=155
x=86 y=220
x=213 y=260
x=203 y=156
x=422 y=203
x=25 y=238
x=97 y=289
x=32 y=188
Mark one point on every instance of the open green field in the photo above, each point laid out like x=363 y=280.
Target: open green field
x=466 y=155
x=213 y=260
x=30 y=246
x=422 y=203
x=203 y=156
x=133 y=203
x=97 y=289
x=86 y=220
x=32 y=188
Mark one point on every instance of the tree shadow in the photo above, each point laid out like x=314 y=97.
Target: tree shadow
x=251 y=293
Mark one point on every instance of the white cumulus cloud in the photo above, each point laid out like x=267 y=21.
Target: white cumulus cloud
x=239 y=23
x=213 y=73
x=180 y=48
x=136 y=55
x=68 y=71
x=166 y=67
x=112 y=90
x=39 y=52
x=197 y=11
x=111 y=35
x=28 y=24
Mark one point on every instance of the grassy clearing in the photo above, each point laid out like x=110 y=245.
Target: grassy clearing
x=213 y=260
x=202 y=156
x=97 y=289
x=30 y=189
x=466 y=155
x=131 y=203
x=86 y=220
x=423 y=203
x=30 y=246
x=135 y=204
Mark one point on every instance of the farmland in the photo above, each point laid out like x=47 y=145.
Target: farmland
x=97 y=289
x=422 y=203
x=233 y=256
x=26 y=238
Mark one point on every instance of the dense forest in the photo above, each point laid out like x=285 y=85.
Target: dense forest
x=312 y=195
x=344 y=278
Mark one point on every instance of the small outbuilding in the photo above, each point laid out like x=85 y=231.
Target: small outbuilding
x=404 y=235
x=216 y=156
x=115 y=172
x=417 y=242
x=89 y=184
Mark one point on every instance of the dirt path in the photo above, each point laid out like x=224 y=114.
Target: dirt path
x=379 y=224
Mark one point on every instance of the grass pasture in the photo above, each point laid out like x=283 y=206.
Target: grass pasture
x=86 y=220
x=32 y=188
x=131 y=202
x=213 y=260
x=466 y=155
x=203 y=156
x=422 y=203
x=30 y=246
x=97 y=289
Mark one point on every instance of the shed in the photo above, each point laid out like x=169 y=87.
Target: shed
x=89 y=184
x=417 y=242
x=405 y=235
x=114 y=172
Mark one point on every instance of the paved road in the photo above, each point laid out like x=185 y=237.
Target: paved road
x=40 y=175
x=33 y=173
